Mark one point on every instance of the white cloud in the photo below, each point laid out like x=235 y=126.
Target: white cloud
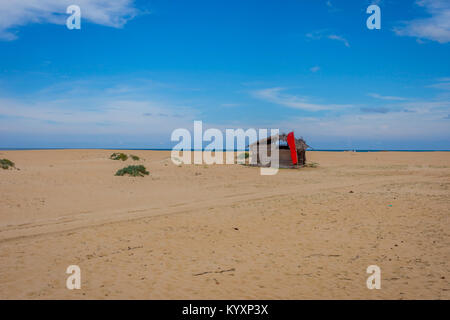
x=275 y=95
x=316 y=35
x=435 y=28
x=400 y=119
x=378 y=96
x=230 y=105
x=443 y=84
x=92 y=106
x=331 y=7
x=103 y=116
x=16 y=13
x=315 y=69
x=339 y=38
x=427 y=124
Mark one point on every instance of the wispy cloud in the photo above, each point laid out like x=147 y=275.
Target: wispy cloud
x=314 y=69
x=387 y=126
x=435 y=28
x=14 y=14
x=392 y=98
x=375 y=110
x=118 y=117
x=339 y=38
x=230 y=105
x=377 y=2
x=428 y=109
x=323 y=34
x=88 y=107
x=276 y=95
x=442 y=83
x=331 y=7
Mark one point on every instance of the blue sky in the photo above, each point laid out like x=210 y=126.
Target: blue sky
x=137 y=70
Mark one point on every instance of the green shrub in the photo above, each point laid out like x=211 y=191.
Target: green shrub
x=118 y=156
x=134 y=171
x=135 y=158
x=244 y=155
x=311 y=164
x=6 y=164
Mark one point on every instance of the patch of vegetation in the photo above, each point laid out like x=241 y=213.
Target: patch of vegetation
x=177 y=161
x=118 y=156
x=6 y=164
x=311 y=164
x=135 y=158
x=244 y=156
x=134 y=171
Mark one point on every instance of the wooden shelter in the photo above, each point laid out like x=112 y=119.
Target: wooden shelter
x=262 y=148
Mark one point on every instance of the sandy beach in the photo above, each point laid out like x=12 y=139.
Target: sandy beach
x=225 y=231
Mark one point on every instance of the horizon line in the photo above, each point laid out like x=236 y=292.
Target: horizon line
x=225 y=150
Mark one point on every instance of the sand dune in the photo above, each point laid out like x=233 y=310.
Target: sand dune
x=225 y=231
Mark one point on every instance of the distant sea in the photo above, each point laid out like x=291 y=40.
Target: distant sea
x=162 y=149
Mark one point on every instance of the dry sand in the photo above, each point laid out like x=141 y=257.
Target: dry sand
x=225 y=231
